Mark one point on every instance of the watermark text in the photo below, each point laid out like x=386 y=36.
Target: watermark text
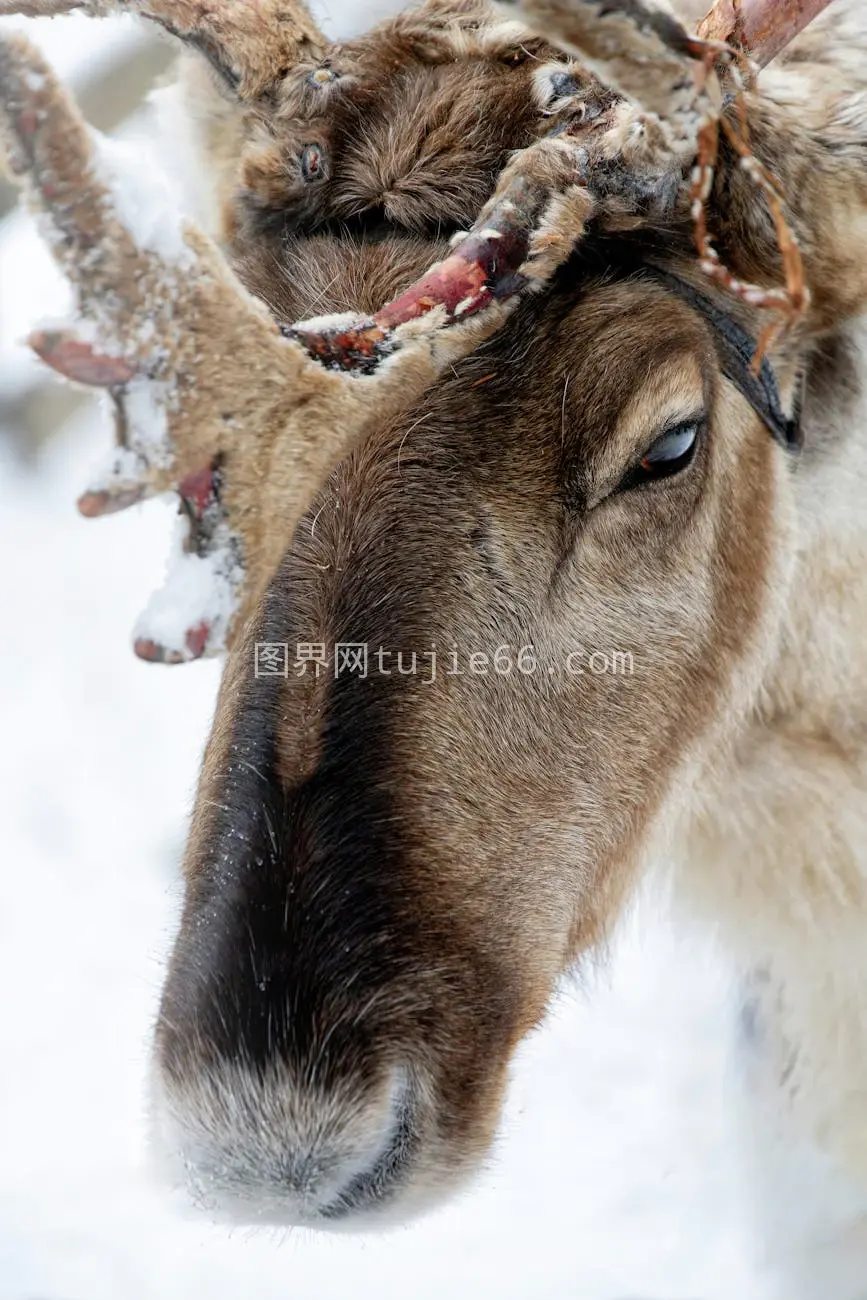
x=362 y=660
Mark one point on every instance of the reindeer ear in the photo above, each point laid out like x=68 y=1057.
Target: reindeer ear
x=812 y=146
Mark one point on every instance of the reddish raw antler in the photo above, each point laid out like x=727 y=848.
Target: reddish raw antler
x=762 y=28
x=603 y=159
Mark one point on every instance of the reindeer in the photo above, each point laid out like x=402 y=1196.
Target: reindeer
x=615 y=399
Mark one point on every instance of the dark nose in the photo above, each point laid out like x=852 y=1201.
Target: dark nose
x=291 y=1078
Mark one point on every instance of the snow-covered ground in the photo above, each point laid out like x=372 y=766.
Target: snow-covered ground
x=615 y=1175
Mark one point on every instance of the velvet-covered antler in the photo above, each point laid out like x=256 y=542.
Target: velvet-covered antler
x=249 y=44
x=186 y=355
x=620 y=144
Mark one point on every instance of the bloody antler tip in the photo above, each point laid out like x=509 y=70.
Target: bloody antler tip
x=483 y=267
x=152 y=653
x=105 y=501
x=195 y=645
x=78 y=360
x=345 y=342
x=199 y=489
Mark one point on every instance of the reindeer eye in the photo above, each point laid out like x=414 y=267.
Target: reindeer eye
x=672 y=452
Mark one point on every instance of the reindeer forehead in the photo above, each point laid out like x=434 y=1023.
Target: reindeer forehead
x=588 y=372
x=633 y=359
x=581 y=378
x=594 y=371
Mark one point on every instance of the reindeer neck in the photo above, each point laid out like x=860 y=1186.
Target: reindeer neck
x=774 y=856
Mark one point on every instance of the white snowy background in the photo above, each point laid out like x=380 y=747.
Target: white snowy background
x=615 y=1177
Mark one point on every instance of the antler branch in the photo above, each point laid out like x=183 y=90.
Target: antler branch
x=605 y=158
x=211 y=401
x=250 y=44
x=641 y=51
x=659 y=117
x=601 y=157
x=762 y=28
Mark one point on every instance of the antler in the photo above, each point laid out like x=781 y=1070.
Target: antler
x=606 y=158
x=760 y=27
x=640 y=50
x=210 y=399
x=617 y=151
x=250 y=44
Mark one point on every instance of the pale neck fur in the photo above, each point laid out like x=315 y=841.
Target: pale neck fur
x=776 y=858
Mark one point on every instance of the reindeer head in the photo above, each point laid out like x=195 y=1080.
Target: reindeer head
x=556 y=573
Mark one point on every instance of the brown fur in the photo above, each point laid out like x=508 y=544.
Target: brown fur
x=383 y=873
x=385 y=879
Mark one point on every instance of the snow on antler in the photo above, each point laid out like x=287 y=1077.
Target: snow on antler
x=139 y=327
x=210 y=400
